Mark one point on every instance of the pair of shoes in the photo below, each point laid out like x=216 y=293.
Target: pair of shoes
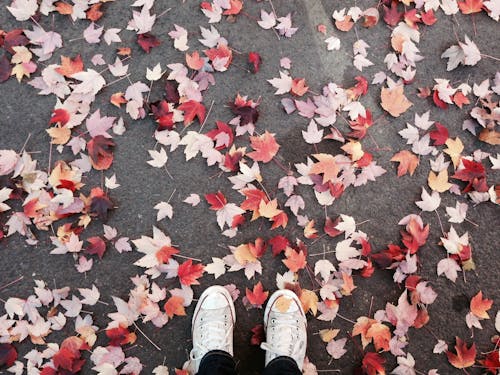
x=284 y=322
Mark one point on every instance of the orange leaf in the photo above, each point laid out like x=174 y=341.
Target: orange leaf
x=361 y=327
x=471 y=6
x=236 y=6
x=490 y=136
x=265 y=147
x=480 y=306
x=345 y=25
x=70 y=66
x=299 y=87
x=380 y=334
x=64 y=8
x=394 y=101
x=465 y=357
x=309 y=301
x=283 y=304
x=194 y=61
x=327 y=165
x=407 y=160
x=174 y=306
x=94 y=12
x=117 y=99
x=310 y=231
x=295 y=260
x=348 y=285
x=189 y=273
x=257 y=296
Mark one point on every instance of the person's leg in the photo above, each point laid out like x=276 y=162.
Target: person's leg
x=217 y=362
x=212 y=331
x=285 y=324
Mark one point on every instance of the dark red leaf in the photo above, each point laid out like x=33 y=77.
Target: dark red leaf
x=100 y=152
x=14 y=38
x=330 y=225
x=216 y=201
x=258 y=335
x=148 y=41
x=97 y=246
x=8 y=355
x=120 y=336
x=100 y=204
x=162 y=115
x=278 y=244
x=438 y=102
x=5 y=69
x=254 y=61
x=440 y=135
x=171 y=93
x=391 y=15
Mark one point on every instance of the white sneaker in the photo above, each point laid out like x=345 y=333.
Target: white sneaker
x=285 y=324
x=213 y=323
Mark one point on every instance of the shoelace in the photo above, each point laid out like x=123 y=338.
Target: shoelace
x=218 y=338
x=285 y=342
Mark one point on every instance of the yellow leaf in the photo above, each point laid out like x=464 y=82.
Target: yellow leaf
x=243 y=254
x=354 y=149
x=394 y=101
x=269 y=209
x=328 y=335
x=309 y=301
x=22 y=55
x=439 y=182
x=455 y=148
x=60 y=136
x=283 y=304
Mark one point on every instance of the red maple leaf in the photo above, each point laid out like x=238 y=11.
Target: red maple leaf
x=189 y=273
x=361 y=125
x=236 y=6
x=192 y=109
x=120 y=336
x=299 y=87
x=69 y=357
x=278 y=244
x=148 y=41
x=258 y=248
x=165 y=253
x=437 y=101
x=14 y=38
x=428 y=17
x=440 y=135
x=415 y=235
x=460 y=99
x=216 y=201
x=60 y=116
x=163 y=116
x=257 y=296
x=373 y=364
x=222 y=128
x=8 y=355
x=97 y=246
x=265 y=147
x=491 y=362
x=253 y=199
x=391 y=15
x=280 y=220
x=258 y=335
x=246 y=109
x=465 y=357
x=194 y=61
x=254 y=60
x=471 y=6
x=100 y=152
x=473 y=173
x=361 y=88
x=222 y=52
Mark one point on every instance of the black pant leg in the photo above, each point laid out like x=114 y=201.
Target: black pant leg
x=217 y=362
x=282 y=366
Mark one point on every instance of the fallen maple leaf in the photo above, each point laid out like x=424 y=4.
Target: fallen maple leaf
x=480 y=306
x=8 y=355
x=174 y=306
x=470 y=6
x=189 y=273
x=120 y=336
x=394 y=101
x=295 y=260
x=265 y=147
x=465 y=357
x=257 y=296
x=407 y=160
x=100 y=152
x=373 y=364
x=191 y=110
x=439 y=182
x=70 y=66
